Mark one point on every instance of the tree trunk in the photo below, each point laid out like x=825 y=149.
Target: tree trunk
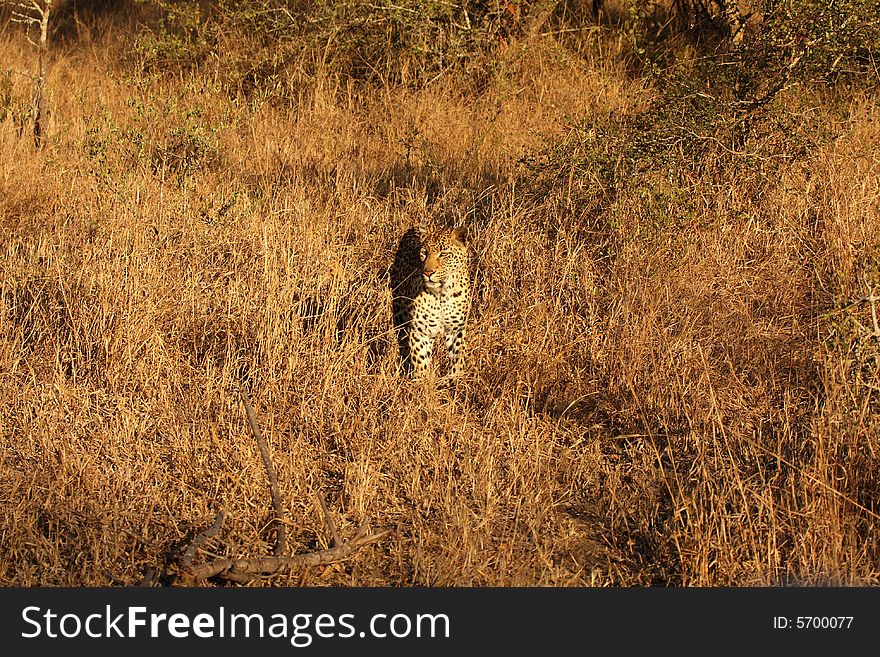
x=41 y=115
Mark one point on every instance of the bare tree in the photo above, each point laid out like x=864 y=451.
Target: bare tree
x=36 y=13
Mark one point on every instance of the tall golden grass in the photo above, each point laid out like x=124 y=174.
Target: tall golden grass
x=685 y=402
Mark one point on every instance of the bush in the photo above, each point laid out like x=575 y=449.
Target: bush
x=265 y=46
x=715 y=115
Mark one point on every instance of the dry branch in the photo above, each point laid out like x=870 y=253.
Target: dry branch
x=281 y=532
x=328 y=519
x=244 y=570
x=198 y=540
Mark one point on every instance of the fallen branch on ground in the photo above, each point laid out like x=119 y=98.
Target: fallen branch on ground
x=243 y=570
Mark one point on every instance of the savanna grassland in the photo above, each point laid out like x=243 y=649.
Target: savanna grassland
x=673 y=373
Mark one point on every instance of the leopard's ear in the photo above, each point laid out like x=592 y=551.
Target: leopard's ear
x=460 y=234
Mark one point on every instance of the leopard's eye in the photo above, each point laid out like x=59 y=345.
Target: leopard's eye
x=423 y=254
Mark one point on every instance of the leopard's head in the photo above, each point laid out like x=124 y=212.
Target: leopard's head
x=444 y=252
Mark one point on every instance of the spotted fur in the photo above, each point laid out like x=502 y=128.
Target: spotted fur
x=430 y=296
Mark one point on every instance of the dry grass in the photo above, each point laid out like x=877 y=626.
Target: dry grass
x=680 y=403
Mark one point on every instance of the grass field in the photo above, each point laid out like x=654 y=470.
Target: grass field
x=671 y=382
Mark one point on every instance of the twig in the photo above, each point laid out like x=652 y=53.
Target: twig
x=328 y=519
x=198 y=540
x=871 y=297
x=281 y=531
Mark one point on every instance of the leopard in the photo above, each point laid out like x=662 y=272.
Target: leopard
x=431 y=296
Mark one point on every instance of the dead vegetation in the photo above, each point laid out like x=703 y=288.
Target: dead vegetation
x=673 y=360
